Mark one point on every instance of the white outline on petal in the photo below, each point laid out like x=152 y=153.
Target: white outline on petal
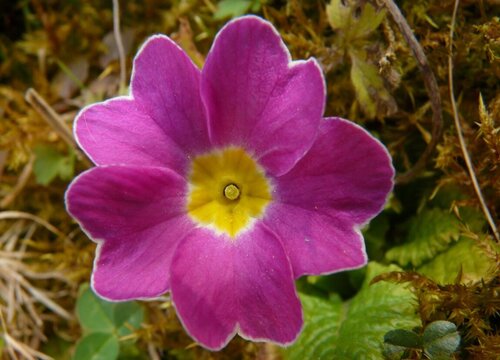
x=237 y=330
x=100 y=242
x=357 y=227
x=130 y=96
x=78 y=118
x=290 y=64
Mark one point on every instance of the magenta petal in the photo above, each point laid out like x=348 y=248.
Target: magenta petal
x=340 y=184
x=316 y=243
x=257 y=98
x=221 y=286
x=117 y=132
x=270 y=309
x=165 y=85
x=202 y=288
x=136 y=216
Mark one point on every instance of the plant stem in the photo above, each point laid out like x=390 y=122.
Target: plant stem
x=430 y=85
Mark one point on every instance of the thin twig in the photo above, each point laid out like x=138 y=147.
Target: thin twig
x=119 y=43
x=463 y=146
x=430 y=85
x=54 y=120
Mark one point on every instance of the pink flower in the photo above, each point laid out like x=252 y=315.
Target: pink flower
x=224 y=185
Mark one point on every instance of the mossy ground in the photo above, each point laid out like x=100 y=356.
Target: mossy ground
x=65 y=50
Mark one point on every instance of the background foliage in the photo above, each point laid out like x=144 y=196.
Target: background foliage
x=432 y=287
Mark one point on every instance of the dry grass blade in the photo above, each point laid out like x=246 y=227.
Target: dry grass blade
x=49 y=115
x=27 y=352
x=19 y=296
x=4 y=215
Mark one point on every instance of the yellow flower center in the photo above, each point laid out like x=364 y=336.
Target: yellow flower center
x=228 y=191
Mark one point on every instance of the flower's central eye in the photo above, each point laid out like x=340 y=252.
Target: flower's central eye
x=231 y=192
x=228 y=191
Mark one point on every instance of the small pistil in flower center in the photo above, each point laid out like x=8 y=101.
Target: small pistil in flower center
x=231 y=192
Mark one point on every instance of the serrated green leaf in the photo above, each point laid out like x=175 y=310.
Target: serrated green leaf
x=471 y=217
x=430 y=233
x=232 y=8
x=49 y=164
x=97 y=346
x=95 y=314
x=402 y=337
x=368 y=84
x=466 y=256
x=440 y=340
x=374 y=311
x=321 y=323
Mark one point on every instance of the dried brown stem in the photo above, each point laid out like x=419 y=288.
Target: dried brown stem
x=463 y=146
x=23 y=215
x=54 y=120
x=431 y=87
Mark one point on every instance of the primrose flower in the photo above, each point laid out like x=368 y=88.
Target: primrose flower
x=224 y=185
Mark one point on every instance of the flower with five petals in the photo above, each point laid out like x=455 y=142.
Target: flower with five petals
x=224 y=185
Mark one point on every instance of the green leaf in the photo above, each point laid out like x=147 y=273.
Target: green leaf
x=440 y=340
x=430 y=233
x=472 y=217
x=49 y=164
x=333 y=332
x=368 y=84
x=321 y=323
x=340 y=16
x=466 y=256
x=397 y=342
x=97 y=346
x=98 y=315
x=127 y=316
x=232 y=8
x=95 y=314
x=393 y=352
x=402 y=337
x=369 y=20
x=374 y=311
